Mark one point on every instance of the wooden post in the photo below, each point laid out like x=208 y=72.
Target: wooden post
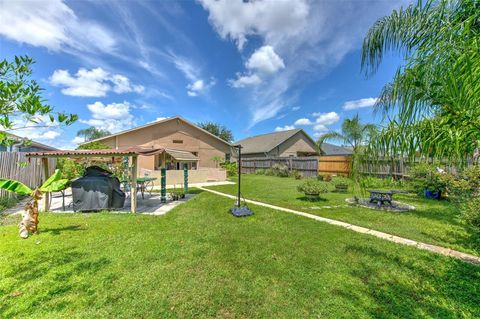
x=133 y=187
x=45 y=177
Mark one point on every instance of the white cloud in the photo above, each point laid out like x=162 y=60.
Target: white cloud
x=237 y=19
x=358 y=104
x=245 y=80
x=295 y=108
x=77 y=140
x=42 y=130
x=92 y=83
x=113 y=117
x=284 y=128
x=54 y=25
x=320 y=128
x=158 y=119
x=303 y=121
x=265 y=60
x=326 y=118
x=312 y=37
x=192 y=72
x=199 y=86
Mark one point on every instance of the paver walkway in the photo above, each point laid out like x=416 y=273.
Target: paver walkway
x=396 y=239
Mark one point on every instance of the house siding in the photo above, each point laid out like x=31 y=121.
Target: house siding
x=164 y=134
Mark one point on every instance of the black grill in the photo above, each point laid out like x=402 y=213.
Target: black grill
x=98 y=189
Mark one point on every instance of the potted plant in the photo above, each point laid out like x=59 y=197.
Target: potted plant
x=429 y=181
x=341 y=184
x=312 y=188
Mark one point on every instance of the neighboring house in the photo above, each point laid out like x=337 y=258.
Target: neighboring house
x=335 y=150
x=185 y=143
x=21 y=146
x=294 y=143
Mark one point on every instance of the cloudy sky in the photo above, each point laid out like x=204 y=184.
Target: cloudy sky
x=255 y=66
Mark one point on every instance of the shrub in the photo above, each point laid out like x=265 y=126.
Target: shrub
x=280 y=170
x=231 y=168
x=341 y=180
x=320 y=178
x=260 y=171
x=327 y=178
x=471 y=212
x=427 y=177
x=312 y=187
x=269 y=172
x=296 y=174
x=69 y=168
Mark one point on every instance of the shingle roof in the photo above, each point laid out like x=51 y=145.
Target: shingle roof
x=266 y=142
x=125 y=151
x=330 y=149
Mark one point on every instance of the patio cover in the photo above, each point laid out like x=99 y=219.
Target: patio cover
x=183 y=156
x=132 y=152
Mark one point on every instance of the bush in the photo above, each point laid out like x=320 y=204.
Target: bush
x=427 y=177
x=69 y=168
x=327 y=178
x=375 y=182
x=296 y=174
x=7 y=202
x=320 y=178
x=280 y=170
x=341 y=180
x=269 y=172
x=312 y=187
x=260 y=171
x=471 y=212
x=231 y=168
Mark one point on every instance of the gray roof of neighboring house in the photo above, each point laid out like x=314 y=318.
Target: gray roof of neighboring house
x=266 y=142
x=330 y=149
x=31 y=143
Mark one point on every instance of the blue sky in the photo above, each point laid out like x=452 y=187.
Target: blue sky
x=253 y=66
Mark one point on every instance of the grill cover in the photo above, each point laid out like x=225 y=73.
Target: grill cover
x=97 y=190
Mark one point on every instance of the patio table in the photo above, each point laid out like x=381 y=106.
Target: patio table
x=381 y=196
x=142 y=184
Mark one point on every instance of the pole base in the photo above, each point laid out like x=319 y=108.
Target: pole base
x=241 y=211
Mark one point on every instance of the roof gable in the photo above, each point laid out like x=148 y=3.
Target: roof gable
x=266 y=142
x=178 y=118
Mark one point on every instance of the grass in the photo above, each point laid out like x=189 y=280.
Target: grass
x=198 y=261
x=433 y=222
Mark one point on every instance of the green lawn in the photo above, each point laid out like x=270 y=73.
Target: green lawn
x=198 y=261
x=434 y=222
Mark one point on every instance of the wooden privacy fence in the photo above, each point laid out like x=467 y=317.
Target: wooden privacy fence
x=31 y=173
x=307 y=166
x=335 y=165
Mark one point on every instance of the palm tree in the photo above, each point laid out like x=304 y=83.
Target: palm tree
x=434 y=98
x=354 y=133
x=92 y=133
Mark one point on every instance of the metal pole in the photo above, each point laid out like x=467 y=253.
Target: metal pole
x=239 y=173
x=185 y=178
x=163 y=185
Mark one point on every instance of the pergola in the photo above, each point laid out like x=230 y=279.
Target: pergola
x=131 y=152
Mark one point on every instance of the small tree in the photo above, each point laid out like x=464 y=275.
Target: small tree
x=29 y=223
x=20 y=98
x=218 y=130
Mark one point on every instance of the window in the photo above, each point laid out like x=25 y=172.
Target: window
x=227 y=158
x=177 y=142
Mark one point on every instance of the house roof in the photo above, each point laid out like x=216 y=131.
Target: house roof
x=330 y=149
x=32 y=142
x=126 y=151
x=266 y=142
x=157 y=123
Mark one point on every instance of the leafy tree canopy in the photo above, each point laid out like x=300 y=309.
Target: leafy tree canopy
x=21 y=99
x=218 y=130
x=92 y=133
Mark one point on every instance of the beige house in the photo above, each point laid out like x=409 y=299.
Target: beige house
x=294 y=143
x=185 y=143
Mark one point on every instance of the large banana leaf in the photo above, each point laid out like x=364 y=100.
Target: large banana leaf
x=54 y=183
x=15 y=186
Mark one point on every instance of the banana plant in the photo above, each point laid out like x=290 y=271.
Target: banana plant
x=29 y=223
